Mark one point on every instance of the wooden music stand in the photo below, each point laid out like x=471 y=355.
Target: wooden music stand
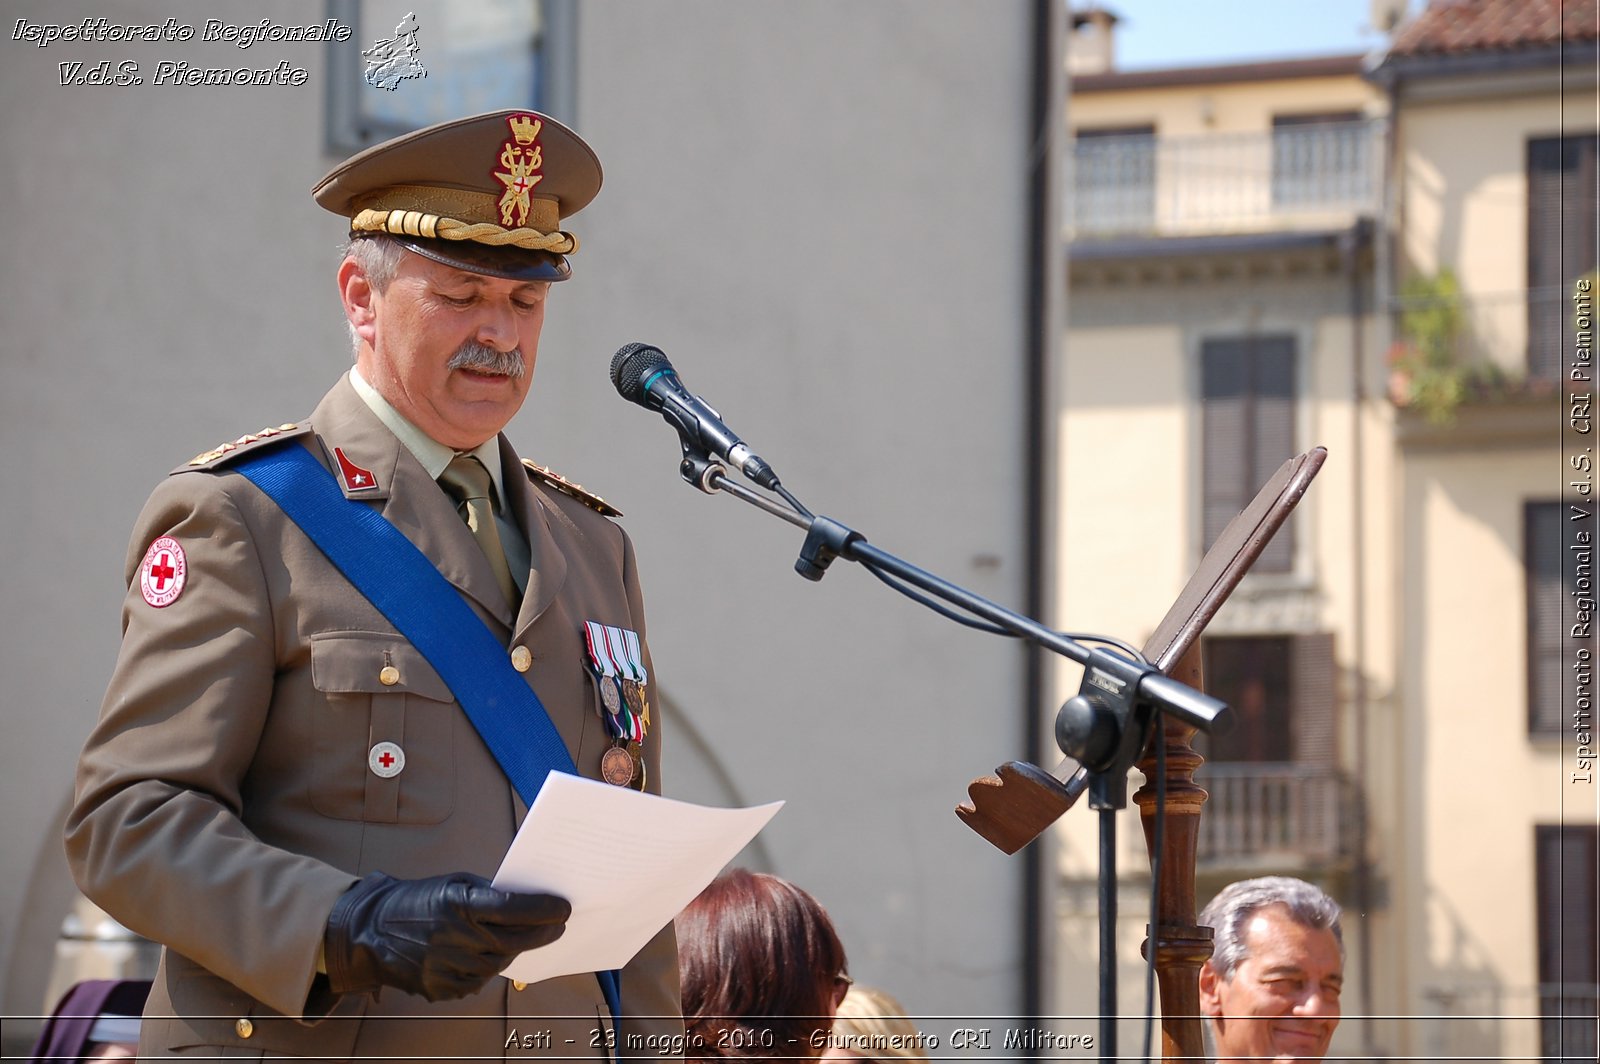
x=1014 y=806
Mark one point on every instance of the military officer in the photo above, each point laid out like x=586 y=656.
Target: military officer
x=289 y=787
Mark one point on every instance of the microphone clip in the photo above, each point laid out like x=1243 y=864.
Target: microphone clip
x=699 y=468
x=826 y=539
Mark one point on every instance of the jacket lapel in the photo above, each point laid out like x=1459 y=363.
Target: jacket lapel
x=547 y=568
x=406 y=495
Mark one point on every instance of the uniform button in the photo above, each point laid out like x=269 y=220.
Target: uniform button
x=518 y=984
x=521 y=659
x=244 y=1027
x=389 y=676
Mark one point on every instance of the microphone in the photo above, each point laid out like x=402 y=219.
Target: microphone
x=644 y=375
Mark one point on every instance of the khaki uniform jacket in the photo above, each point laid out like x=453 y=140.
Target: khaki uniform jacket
x=225 y=801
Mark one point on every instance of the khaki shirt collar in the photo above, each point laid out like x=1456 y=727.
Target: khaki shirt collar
x=430 y=453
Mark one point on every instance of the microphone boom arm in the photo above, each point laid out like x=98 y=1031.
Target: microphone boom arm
x=1141 y=682
x=1105 y=725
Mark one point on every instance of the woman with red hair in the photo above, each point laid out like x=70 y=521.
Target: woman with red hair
x=762 y=970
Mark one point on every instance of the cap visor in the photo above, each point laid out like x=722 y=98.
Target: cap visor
x=512 y=263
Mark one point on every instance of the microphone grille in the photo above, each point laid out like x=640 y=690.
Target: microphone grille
x=634 y=364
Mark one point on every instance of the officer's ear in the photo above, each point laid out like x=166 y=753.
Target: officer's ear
x=357 y=294
x=1210 y=990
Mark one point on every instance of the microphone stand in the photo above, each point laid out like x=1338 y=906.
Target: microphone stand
x=1104 y=726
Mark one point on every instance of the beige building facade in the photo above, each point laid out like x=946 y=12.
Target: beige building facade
x=1494 y=247
x=1255 y=264
x=1221 y=321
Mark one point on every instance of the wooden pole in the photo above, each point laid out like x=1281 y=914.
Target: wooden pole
x=1182 y=946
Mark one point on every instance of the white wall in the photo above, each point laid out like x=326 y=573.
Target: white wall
x=818 y=210
x=168 y=285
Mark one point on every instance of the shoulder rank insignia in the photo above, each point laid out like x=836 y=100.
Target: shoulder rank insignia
x=229 y=448
x=567 y=487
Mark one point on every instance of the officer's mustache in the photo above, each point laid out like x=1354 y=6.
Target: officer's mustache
x=485 y=359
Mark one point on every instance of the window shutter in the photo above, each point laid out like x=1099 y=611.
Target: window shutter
x=1316 y=740
x=1225 y=415
x=1274 y=442
x=1319 y=159
x=1542 y=562
x=1568 y=895
x=1114 y=180
x=1544 y=265
x=1561 y=246
x=1247 y=391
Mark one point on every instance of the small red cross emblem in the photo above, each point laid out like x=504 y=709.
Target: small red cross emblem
x=163 y=572
x=386 y=759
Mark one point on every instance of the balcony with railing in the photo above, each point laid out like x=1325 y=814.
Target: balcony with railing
x=1276 y=815
x=1292 y=178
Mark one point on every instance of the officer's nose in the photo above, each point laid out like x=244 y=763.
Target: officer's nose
x=498 y=329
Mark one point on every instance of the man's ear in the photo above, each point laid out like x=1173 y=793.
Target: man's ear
x=1210 y=990
x=358 y=297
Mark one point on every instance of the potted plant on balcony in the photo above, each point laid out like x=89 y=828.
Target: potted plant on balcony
x=1426 y=373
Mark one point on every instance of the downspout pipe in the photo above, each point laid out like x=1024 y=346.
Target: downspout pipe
x=1389 y=76
x=1356 y=246
x=1045 y=286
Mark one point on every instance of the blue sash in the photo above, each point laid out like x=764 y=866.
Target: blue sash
x=408 y=589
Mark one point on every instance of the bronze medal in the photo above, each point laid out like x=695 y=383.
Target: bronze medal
x=617 y=766
x=633 y=695
x=608 y=695
x=636 y=758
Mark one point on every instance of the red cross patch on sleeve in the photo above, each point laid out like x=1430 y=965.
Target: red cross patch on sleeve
x=163 y=572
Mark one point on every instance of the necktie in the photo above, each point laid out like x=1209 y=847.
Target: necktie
x=467 y=481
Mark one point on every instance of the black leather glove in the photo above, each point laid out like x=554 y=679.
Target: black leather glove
x=441 y=938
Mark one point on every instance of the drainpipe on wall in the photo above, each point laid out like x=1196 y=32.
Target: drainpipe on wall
x=1045 y=273
x=1386 y=251
x=1353 y=245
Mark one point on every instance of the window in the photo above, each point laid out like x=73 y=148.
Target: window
x=1247 y=401
x=1561 y=244
x=1275 y=791
x=1549 y=589
x=1281 y=691
x=1321 y=161
x=1114 y=180
x=1569 y=941
x=478 y=55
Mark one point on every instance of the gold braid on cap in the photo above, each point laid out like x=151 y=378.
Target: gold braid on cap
x=416 y=223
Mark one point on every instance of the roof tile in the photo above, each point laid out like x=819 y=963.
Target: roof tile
x=1456 y=26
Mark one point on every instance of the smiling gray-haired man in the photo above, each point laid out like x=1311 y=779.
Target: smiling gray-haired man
x=1271 y=988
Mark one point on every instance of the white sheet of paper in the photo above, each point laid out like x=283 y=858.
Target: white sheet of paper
x=628 y=862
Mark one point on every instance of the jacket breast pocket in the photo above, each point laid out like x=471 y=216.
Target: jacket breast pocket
x=213 y=1019
x=384 y=739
